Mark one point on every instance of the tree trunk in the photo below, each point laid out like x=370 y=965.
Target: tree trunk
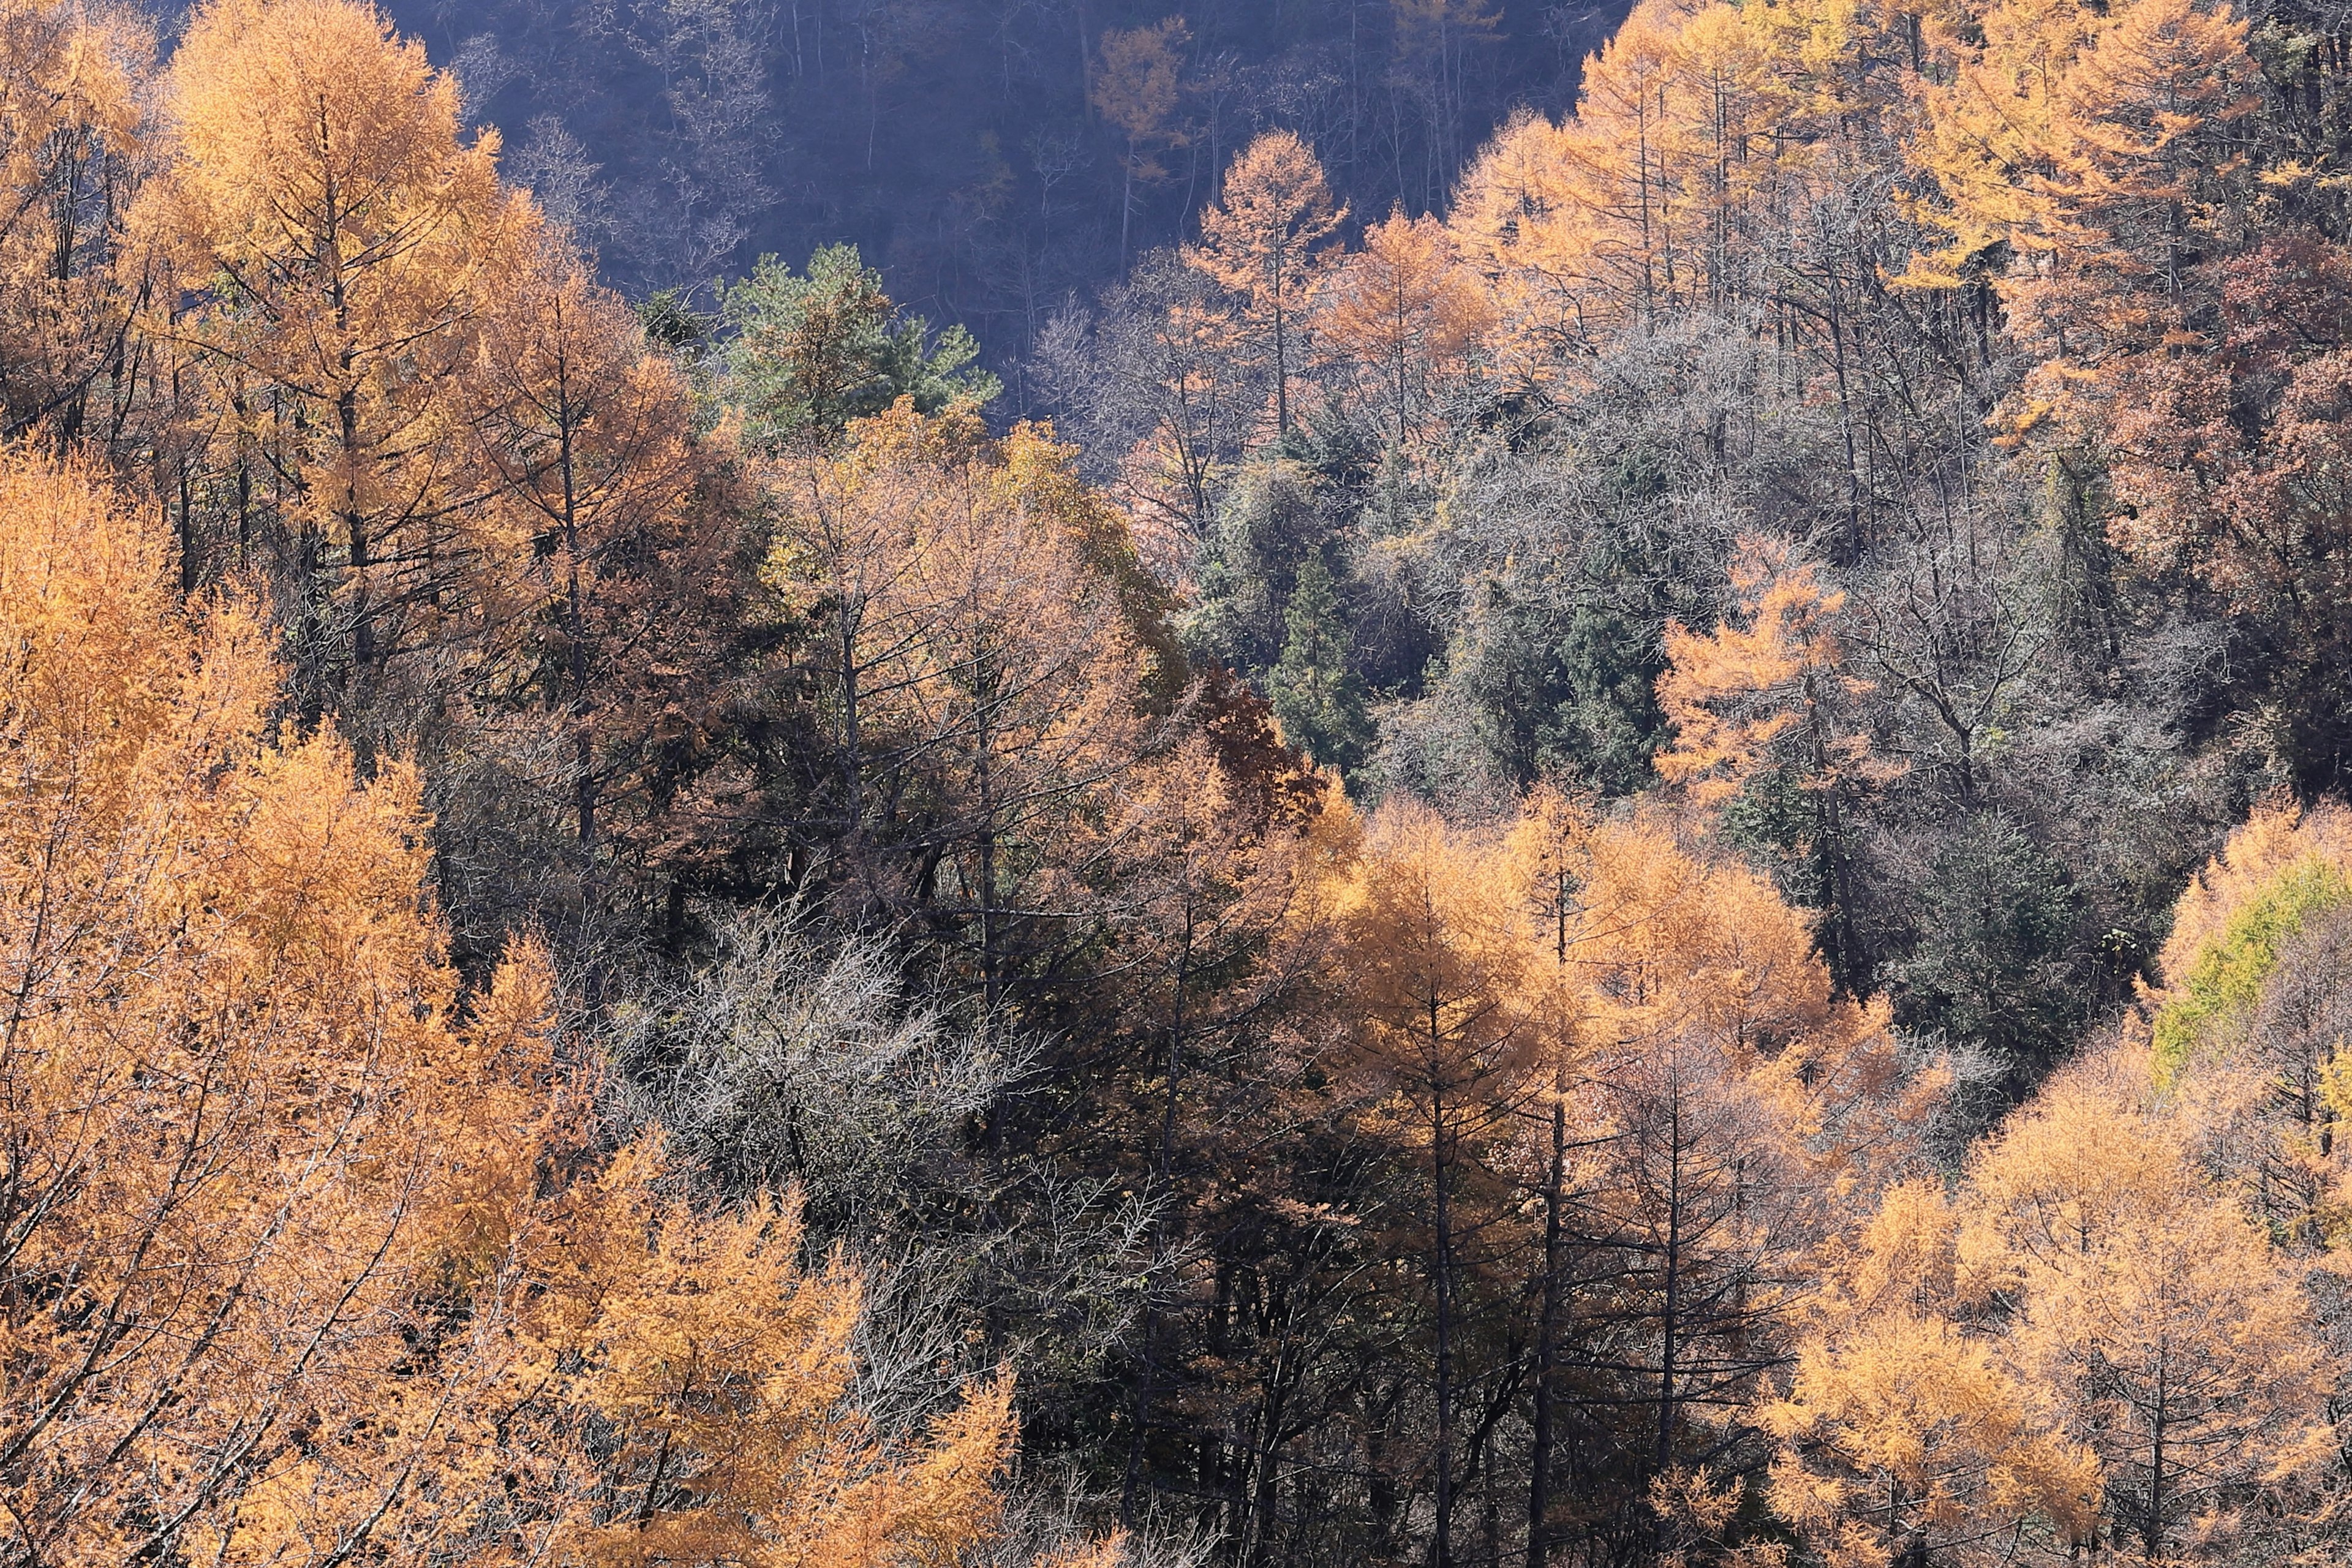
x=1442 y=1546
x=1672 y=1306
x=1540 y=1460
x=1146 y=1389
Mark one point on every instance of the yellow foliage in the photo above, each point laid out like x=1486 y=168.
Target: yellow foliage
x=2091 y=141
x=1906 y=1423
x=2276 y=836
x=338 y=236
x=1261 y=241
x=72 y=77
x=1137 y=87
x=308 y=1258
x=1703 y=134
x=1404 y=307
x=1435 y=951
x=2155 y=1321
x=1741 y=696
x=2090 y=1340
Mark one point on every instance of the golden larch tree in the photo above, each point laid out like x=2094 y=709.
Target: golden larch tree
x=336 y=232
x=311 y=1256
x=1260 y=242
x=1904 y=1433
x=1406 y=310
x=1137 y=91
x=71 y=156
x=1431 y=952
x=2154 y=1323
x=581 y=436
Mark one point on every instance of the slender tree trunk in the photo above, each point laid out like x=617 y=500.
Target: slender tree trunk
x=191 y=567
x=1672 y=1263
x=1146 y=1388
x=355 y=536
x=1281 y=361
x=575 y=630
x=1441 y=1547
x=244 y=499
x=2152 y=1533
x=1539 y=1464
x=347 y=412
x=853 y=766
x=1125 y=206
x=1540 y=1460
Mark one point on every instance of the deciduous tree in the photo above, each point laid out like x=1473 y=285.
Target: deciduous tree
x=1137 y=90
x=336 y=231
x=1260 y=244
x=311 y=1256
x=1405 y=308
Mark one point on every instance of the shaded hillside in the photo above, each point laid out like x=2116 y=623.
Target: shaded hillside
x=953 y=139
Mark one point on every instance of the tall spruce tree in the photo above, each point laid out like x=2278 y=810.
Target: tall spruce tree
x=1314 y=693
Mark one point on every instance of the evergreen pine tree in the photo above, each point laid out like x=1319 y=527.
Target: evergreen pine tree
x=1316 y=694
x=811 y=353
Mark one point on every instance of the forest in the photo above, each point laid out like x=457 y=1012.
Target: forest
x=1623 y=849
x=992 y=158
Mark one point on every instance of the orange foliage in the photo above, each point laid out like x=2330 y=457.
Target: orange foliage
x=1692 y=155
x=2102 y=146
x=339 y=238
x=1405 y=308
x=1739 y=698
x=71 y=77
x=989 y=650
x=2089 y=1341
x=1137 y=90
x=309 y=1255
x=1260 y=242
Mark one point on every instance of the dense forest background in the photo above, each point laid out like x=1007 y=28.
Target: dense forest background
x=959 y=143
x=1374 y=819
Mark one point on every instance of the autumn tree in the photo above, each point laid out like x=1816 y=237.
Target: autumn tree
x=1906 y=1435
x=1746 y=703
x=2226 y=466
x=336 y=232
x=1729 y=1080
x=984 y=663
x=1678 y=159
x=2244 y=1029
x=1405 y=308
x=1156 y=380
x=312 y=1256
x=1136 y=91
x=1547 y=846
x=1433 y=956
x=71 y=158
x=1512 y=207
x=2154 y=109
x=582 y=434
x=2107 y=150
x=2156 y=1318
x=1260 y=242
x=1213 y=874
